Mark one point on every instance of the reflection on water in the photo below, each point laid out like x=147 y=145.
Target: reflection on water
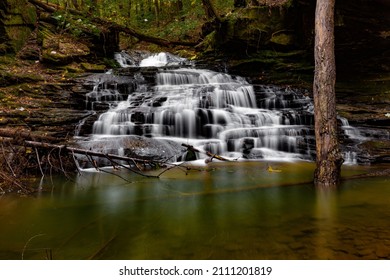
x=229 y=211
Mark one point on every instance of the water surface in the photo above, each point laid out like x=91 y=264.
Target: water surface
x=222 y=211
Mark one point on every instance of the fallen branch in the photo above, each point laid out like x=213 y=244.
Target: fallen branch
x=79 y=151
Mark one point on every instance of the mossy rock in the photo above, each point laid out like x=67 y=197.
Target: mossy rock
x=256 y=28
x=378 y=151
x=17 y=22
x=8 y=79
x=283 y=39
x=61 y=50
x=95 y=68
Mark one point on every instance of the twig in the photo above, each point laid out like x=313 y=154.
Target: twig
x=39 y=162
x=59 y=158
x=173 y=166
x=6 y=160
x=76 y=163
x=128 y=168
x=28 y=241
x=112 y=173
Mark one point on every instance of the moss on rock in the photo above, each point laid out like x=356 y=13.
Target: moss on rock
x=60 y=50
x=17 y=20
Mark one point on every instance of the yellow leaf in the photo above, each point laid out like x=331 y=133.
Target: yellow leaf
x=270 y=169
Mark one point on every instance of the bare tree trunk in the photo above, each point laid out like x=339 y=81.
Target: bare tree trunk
x=179 y=6
x=329 y=159
x=240 y=3
x=210 y=11
x=157 y=11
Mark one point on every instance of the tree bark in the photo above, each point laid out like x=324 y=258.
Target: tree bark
x=210 y=11
x=240 y=3
x=328 y=159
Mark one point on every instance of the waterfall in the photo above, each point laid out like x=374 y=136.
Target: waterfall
x=353 y=137
x=349 y=131
x=212 y=111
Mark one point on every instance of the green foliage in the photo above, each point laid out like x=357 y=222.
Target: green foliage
x=170 y=19
x=75 y=25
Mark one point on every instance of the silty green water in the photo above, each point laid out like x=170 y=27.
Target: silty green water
x=222 y=211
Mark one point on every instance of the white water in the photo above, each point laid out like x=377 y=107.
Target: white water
x=153 y=60
x=214 y=112
x=351 y=132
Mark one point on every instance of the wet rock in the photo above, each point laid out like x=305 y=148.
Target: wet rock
x=90 y=67
x=376 y=151
x=8 y=79
x=137 y=147
x=247 y=146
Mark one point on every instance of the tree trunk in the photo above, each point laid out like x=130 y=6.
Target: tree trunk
x=157 y=11
x=329 y=159
x=210 y=11
x=240 y=3
x=179 y=6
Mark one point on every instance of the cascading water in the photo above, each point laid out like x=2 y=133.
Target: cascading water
x=352 y=134
x=212 y=111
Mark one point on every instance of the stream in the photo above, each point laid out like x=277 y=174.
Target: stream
x=222 y=211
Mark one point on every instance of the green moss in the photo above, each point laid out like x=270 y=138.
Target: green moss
x=18 y=22
x=6 y=60
x=110 y=63
x=90 y=67
x=73 y=68
x=18 y=36
x=209 y=42
x=282 y=39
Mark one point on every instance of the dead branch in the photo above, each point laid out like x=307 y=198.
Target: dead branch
x=6 y=160
x=67 y=149
x=39 y=162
